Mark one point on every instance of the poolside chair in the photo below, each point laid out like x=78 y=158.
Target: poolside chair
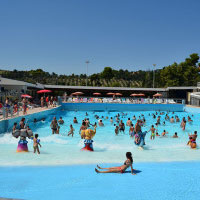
x=171 y=101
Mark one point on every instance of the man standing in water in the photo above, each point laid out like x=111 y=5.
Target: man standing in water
x=54 y=125
x=138 y=127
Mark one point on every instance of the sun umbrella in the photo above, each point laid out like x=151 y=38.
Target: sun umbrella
x=43 y=91
x=118 y=94
x=134 y=95
x=141 y=95
x=157 y=95
x=110 y=93
x=78 y=93
x=96 y=94
x=26 y=96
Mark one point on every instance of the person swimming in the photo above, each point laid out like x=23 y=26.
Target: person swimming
x=61 y=121
x=164 y=133
x=121 y=169
x=101 y=123
x=75 y=120
x=175 y=135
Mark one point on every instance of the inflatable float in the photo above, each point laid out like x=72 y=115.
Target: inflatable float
x=22 y=146
x=88 y=134
x=141 y=139
x=23 y=143
x=88 y=145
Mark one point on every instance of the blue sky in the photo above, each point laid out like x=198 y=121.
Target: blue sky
x=60 y=35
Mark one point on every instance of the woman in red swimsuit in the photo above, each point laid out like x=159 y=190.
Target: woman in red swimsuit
x=128 y=163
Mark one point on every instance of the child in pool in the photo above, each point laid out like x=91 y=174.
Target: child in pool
x=164 y=133
x=36 y=144
x=175 y=135
x=157 y=133
x=71 y=132
x=131 y=130
x=153 y=130
x=136 y=138
x=58 y=130
x=116 y=130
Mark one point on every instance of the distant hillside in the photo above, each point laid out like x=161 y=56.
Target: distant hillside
x=183 y=74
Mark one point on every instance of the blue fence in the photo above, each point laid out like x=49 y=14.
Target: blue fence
x=121 y=107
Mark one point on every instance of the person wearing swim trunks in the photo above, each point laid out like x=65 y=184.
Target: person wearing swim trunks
x=158 y=120
x=54 y=125
x=131 y=131
x=152 y=132
x=121 y=169
x=138 y=127
x=121 y=126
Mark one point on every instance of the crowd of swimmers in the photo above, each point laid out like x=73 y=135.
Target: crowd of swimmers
x=134 y=130
x=117 y=122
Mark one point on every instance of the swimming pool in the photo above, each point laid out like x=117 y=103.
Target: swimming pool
x=108 y=148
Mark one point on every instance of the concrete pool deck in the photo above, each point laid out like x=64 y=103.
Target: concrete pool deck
x=29 y=112
x=38 y=113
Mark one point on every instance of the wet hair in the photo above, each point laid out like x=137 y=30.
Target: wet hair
x=128 y=118
x=129 y=156
x=84 y=124
x=36 y=135
x=175 y=133
x=195 y=132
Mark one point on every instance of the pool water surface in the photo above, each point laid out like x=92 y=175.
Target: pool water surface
x=108 y=148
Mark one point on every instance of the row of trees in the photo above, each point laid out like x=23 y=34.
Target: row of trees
x=183 y=74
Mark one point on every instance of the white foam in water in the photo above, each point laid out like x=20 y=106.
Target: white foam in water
x=108 y=148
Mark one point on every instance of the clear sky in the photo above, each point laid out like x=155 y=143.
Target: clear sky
x=60 y=35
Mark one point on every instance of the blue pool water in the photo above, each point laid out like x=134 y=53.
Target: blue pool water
x=64 y=150
x=62 y=171
x=156 y=181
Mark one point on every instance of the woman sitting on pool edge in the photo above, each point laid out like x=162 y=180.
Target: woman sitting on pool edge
x=128 y=163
